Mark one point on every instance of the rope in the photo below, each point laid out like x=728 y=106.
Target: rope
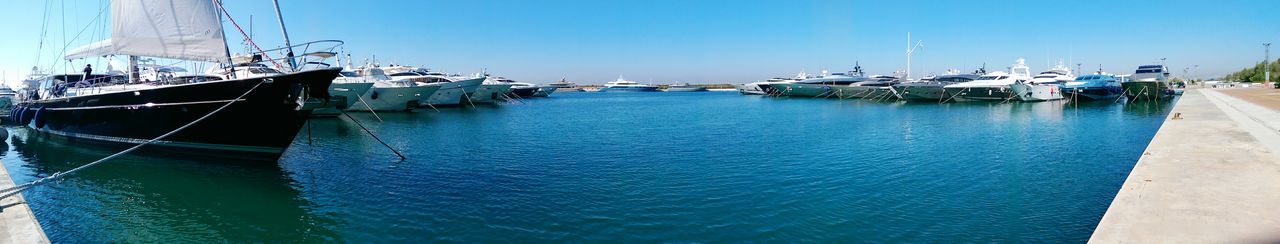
x=953 y=96
x=246 y=35
x=375 y=137
x=366 y=105
x=18 y=189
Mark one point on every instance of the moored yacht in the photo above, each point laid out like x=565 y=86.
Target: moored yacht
x=1044 y=86
x=386 y=94
x=822 y=86
x=623 y=85
x=1098 y=86
x=931 y=89
x=544 y=91
x=453 y=89
x=518 y=89
x=992 y=86
x=876 y=87
x=1148 y=82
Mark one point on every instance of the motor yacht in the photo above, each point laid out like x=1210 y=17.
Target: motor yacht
x=1044 y=86
x=1148 y=82
x=386 y=94
x=824 y=85
x=930 y=89
x=992 y=86
x=1099 y=86
x=623 y=85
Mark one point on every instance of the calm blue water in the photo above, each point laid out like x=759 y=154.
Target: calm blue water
x=650 y=167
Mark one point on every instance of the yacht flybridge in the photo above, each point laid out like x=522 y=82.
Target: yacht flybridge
x=254 y=116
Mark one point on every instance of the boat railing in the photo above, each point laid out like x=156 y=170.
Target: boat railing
x=312 y=55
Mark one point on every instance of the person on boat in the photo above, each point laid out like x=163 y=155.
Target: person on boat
x=88 y=69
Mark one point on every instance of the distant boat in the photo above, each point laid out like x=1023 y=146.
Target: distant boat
x=8 y=98
x=565 y=86
x=1148 y=82
x=622 y=85
x=1093 y=87
x=685 y=88
x=992 y=86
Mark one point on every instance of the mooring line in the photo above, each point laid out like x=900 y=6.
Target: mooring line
x=366 y=105
x=375 y=137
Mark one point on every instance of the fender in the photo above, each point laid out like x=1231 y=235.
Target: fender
x=38 y=119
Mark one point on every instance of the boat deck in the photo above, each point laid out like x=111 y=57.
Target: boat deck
x=1210 y=175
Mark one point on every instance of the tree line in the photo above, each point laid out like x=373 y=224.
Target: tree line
x=1255 y=73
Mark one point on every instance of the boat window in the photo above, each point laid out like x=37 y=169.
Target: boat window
x=348 y=74
x=1148 y=71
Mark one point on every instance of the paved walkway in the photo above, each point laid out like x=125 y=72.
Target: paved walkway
x=17 y=223
x=1211 y=176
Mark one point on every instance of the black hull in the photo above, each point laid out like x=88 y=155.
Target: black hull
x=522 y=92
x=260 y=126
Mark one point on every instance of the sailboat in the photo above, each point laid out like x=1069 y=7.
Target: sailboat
x=254 y=117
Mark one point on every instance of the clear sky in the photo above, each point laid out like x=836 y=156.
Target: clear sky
x=664 y=41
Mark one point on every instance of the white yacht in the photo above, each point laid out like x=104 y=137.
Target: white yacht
x=623 y=85
x=1044 y=86
x=767 y=87
x=822 y=85
x=453 y=89
x=386 y=94
x=991 y=86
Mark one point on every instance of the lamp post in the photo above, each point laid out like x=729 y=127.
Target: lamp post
x=1266 y=63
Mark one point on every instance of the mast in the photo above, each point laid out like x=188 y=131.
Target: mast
x=289 y=46
x=911 y=50
x=231 y=63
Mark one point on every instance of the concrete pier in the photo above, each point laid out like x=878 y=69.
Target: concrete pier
x=17 y=223
x=1210 y=175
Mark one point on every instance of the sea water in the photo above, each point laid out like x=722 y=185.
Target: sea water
x=644 y=167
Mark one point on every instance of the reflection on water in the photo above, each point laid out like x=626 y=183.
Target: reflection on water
x=149 y=198
x=639 y=167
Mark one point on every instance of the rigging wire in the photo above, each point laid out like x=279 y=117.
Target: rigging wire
x=77 y=36
x=44 y=29
x=246 y=36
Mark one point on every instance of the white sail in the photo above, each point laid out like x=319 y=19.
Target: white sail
x=177 y=29
x=96 y=49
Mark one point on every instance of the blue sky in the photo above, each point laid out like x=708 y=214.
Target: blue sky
x=666 y=41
